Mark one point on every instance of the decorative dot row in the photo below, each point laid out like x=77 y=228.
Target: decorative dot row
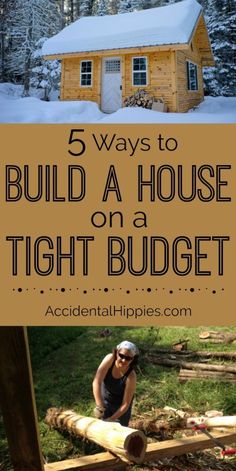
x=106 y=290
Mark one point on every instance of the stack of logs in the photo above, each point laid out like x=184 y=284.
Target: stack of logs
x=194 y=365
x=140 y=98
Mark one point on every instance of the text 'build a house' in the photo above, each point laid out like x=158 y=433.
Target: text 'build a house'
x=108 y=58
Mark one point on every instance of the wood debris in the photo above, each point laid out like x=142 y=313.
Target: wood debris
x=161 y=422
x=199 y=461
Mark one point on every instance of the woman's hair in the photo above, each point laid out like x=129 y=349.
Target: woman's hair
x=132 y=364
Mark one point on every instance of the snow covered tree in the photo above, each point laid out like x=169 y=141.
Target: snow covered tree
x=112 y=7
x=129 y=5
x=61 y=8
x=72 y=10
x=5 y=8
x=101 y=7
x=86 y=7
x=27 y=23
x=44 y=74
x=220 y=18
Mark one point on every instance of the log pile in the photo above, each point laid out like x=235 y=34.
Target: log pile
x=172 y=353
x=217 y=337
x=140 y=98
x=200 y=369
x=127 y=443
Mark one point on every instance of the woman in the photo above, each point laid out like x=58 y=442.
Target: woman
x=115 y=382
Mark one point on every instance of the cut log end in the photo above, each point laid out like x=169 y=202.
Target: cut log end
x=135 y=446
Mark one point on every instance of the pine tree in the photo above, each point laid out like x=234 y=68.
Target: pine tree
x=220 y=17
x=112 y=7
x=129 y=5
x=101 y=7
x=44 y=74
x=61 y=8
x=27 y=23
x=5 y=7
x=86 y=7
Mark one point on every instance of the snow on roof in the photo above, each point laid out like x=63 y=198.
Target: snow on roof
x=172 y=24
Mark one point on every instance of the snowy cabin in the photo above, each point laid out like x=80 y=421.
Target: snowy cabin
x=107 y=58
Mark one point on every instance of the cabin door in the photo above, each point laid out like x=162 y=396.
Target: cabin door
x=111 y=97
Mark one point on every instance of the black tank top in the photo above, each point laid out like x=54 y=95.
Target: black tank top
x=113 y=388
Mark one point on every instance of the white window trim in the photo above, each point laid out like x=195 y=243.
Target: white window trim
x=86 y=86
x=194 y=63
x=133 y=71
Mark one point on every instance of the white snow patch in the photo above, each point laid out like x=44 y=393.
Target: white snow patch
x=211 y=110
x=14 y=109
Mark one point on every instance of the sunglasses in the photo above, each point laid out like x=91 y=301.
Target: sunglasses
x=125 y=357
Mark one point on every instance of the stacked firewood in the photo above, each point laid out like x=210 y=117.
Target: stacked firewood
x=140 y=98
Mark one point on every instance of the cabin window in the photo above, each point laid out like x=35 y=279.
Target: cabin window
x=86 y=73
x=139 y=71
x=192 y=76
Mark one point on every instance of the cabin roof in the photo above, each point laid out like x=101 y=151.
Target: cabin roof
x=172 y=24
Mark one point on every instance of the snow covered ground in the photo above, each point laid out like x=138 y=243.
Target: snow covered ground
x=14 y=109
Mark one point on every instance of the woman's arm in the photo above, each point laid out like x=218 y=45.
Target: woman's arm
x=99 y=377
x=128 y=396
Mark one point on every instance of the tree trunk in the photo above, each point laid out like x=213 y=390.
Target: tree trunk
x=226 y=355
x=124 y=442
x=194 y=366
x=27 y=63
x=190 y=353
x=62 y=13
x=2 y=56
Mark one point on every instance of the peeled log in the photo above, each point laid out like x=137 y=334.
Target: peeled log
x=191 y=353
x=185 y=375
x=124 y=442
x=219 y=421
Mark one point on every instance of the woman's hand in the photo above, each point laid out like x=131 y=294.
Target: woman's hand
x=98 y=412
x=110 y=419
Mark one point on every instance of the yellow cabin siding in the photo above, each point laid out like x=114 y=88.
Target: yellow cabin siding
x=167 y=76
x=70 y=86
x=159 y=77
x=203 y=43
x=186 y=98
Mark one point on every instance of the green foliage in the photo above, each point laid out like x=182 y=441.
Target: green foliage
x=45 y=340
